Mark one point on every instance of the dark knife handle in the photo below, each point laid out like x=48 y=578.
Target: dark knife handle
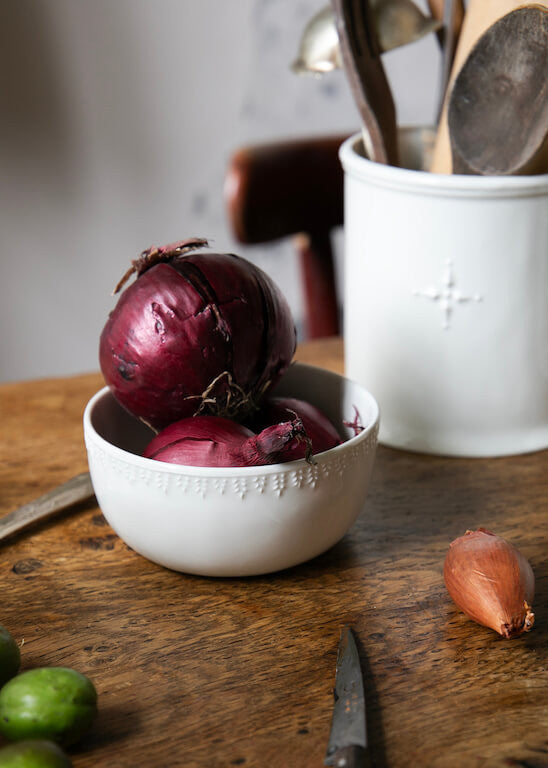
x=351 y=757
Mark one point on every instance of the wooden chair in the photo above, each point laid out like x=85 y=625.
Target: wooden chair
x=293 y=189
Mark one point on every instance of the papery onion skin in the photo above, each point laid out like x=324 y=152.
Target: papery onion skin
x=195 y=332
x=491 y=581
x=319 y=429
x=213 y=441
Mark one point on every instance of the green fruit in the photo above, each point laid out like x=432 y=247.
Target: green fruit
x=33 y=754
x=10 y=656
x=54 y=703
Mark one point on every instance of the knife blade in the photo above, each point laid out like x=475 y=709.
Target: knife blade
x=74 y=491
x=347 y=745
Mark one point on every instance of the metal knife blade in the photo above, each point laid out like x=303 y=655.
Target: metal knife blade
x=347 y=746
x=74 y=491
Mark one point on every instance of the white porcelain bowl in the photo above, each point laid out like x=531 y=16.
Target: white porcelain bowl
x=234 y=521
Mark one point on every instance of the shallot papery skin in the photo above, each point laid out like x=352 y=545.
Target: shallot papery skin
x=195 y=332
x=491 y=581
x=213 y=441
x=319 y=430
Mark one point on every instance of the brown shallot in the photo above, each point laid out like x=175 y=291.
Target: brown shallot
x=491 y=581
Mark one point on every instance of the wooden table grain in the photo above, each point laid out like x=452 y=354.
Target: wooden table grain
x=194 y=671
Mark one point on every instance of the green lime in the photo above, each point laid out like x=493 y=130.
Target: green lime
x=54 y=703
x=10 y=656
x=33 y=754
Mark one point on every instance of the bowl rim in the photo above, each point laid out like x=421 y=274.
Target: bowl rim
x=90 y=433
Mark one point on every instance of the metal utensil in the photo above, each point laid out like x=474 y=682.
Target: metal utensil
x=367 y=78
x=319 y=51
x=498 y=109
x=397 y=23
x=347 y=744
x=74 y=491
x=400 y=22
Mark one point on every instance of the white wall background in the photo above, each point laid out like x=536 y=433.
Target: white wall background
x=117 y=118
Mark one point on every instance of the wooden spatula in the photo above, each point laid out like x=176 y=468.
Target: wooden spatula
x=451 y=14
x=367 y=79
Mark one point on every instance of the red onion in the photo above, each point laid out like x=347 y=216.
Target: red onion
x=196 y=332
x=319 y=430
x=212 y=441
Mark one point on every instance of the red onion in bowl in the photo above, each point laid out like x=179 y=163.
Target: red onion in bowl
x=319 y=430
x=212 y=441
x=195 y=332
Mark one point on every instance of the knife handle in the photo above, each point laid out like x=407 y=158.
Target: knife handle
x=351 y=757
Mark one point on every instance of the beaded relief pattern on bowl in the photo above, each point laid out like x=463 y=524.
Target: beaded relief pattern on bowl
x=309 y=475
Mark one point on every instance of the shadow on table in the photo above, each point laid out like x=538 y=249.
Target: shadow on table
x=375 y=733
x=113 y=724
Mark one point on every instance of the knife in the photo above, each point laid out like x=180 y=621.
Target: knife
x=347 y=746
x=74 y=491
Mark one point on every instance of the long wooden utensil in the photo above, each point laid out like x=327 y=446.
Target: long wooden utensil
x=480 y=15
x=367 y=79
x=74 y=491
x=498 y=110
x=451 y=14
x=439 y=11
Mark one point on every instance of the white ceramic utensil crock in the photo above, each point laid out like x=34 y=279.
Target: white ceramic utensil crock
x=446 y=302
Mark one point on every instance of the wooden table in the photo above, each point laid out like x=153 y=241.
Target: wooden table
x=239 y=672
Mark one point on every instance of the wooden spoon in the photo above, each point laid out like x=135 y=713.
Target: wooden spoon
x=480 y=15
x=498 y=110
x=367 y=79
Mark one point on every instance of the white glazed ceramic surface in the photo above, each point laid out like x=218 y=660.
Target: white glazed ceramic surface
x=233 y=521
x=446 y=306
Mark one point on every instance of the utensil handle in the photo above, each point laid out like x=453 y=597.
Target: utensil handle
x=75 y=490
x=448 y=53
x=367 y=78
x=351 y=757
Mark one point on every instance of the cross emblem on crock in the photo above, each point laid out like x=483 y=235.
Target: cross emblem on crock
x=448 y=296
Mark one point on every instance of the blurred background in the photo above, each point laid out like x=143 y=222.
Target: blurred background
x=117 y=120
